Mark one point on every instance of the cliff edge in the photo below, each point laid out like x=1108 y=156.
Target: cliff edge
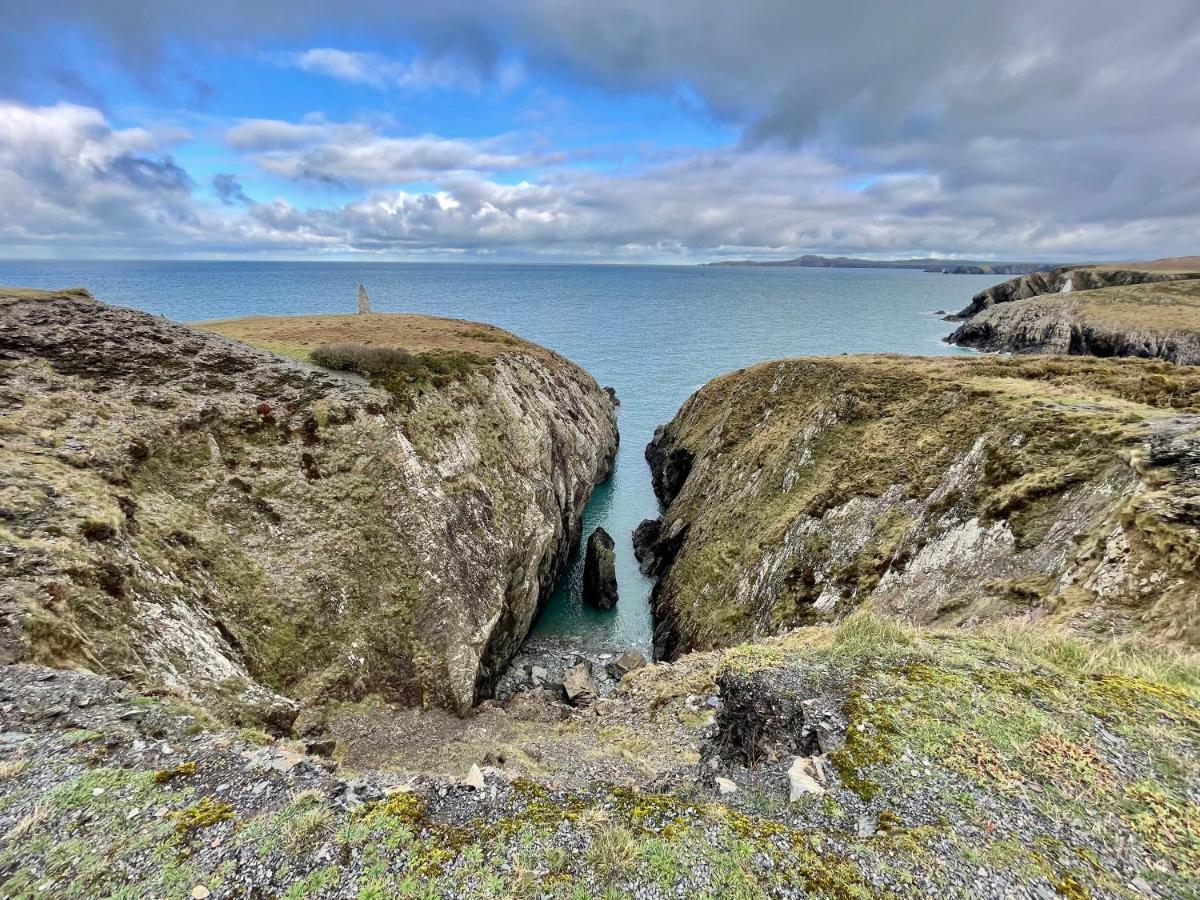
x=189 y=512
x=944 y=490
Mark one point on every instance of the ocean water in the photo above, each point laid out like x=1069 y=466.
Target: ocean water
x=654 y=333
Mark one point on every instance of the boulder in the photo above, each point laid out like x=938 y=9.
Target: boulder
x=626 y=663
x=578 y=685
x=599 y=571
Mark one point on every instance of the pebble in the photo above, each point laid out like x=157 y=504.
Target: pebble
x=199 y=892
x=725 y=786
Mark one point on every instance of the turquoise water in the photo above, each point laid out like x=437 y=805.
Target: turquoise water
x=655 y=333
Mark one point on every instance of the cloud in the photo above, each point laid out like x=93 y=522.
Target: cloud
x=418 y=74
x=350 y=154
x=229 y=190
x=66 y=174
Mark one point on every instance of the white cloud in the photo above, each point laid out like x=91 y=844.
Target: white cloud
x=418 y=74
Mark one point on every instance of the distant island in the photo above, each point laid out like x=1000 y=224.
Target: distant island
x=944 y=266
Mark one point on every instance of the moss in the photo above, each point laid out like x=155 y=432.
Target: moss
x=183 y=770
x=870 y=741
x=203 y=814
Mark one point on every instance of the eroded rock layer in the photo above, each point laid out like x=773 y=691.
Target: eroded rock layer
x=184 y=510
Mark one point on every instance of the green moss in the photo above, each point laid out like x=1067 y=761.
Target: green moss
x=183 y=770
x=203 y=814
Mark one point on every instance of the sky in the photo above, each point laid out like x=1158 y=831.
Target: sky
x=599 y=130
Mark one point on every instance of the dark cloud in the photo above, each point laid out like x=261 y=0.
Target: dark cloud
x=229 y=190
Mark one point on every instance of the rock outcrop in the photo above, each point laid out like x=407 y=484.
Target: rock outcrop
x=191 y=513
x=1149 y=321
x=600 y=571
x=936 y=490
x=1066 y=279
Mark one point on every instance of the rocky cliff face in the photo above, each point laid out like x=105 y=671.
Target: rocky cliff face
x=1075 y=325
x=186 y=511
x=1065 y=279
x=935 y=490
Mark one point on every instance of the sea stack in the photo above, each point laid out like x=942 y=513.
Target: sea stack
x=364 y=301
x=599 y=571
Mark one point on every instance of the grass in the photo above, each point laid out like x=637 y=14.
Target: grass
x=299 y=336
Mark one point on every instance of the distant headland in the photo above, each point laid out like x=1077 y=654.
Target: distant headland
x=944 y=266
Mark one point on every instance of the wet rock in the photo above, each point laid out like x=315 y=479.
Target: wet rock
x=669 y=465
x=627 y=662
x=612 y=395
x=645 y=537
x=578 y=685
x=599 y=571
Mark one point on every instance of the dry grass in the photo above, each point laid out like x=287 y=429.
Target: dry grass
x=1167 y=265
x=299 y=336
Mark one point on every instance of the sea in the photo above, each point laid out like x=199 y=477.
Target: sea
x=653 y=333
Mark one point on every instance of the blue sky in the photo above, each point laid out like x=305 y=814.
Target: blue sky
x=565 y=130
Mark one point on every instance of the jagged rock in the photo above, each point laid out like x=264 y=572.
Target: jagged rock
x=539 y=676
x=654 y=549
x=578 y=685
x=627 y=662
x=599 y=571
x=612 y=395
x=802 y=778
x=364 y=301
x=670 y=466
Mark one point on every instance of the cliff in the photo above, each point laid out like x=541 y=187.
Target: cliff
x=189 y=512
x=1066 y=279
x=934 y=490
x=1159 y=320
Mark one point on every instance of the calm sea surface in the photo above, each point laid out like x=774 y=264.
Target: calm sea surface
x=655 y=333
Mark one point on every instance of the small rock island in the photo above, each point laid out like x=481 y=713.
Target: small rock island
x=599 y=571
